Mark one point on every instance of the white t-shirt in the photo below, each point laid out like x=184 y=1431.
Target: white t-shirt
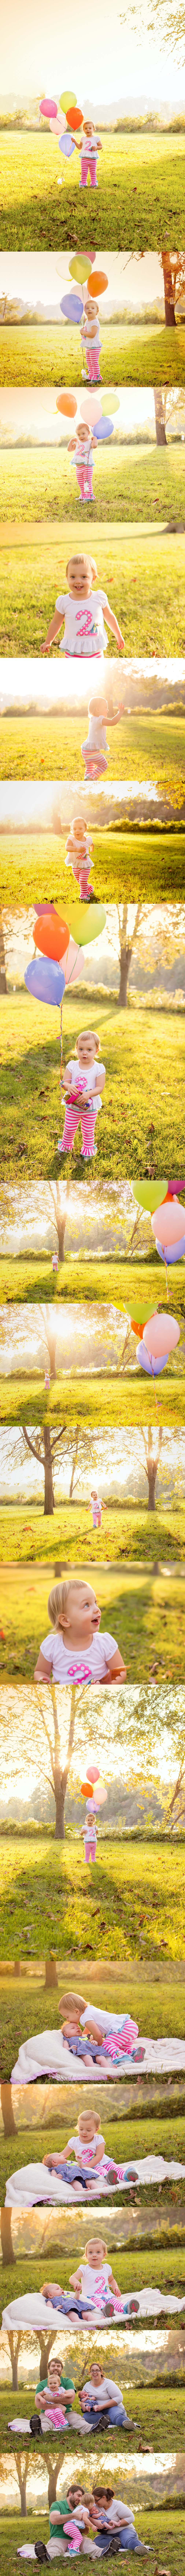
x=97 y=734
x=89 y=146
x=96 y=1502
x=85 y=1081
x=74 y=851
x=91 y=342
x=86 y=2153
x=94 y=2284
x=83 y=451
x=109 y=2388
x=84 y=623
x=118 y=2507
x=107 y=2020
x=90 y=1822
x=70 y=1666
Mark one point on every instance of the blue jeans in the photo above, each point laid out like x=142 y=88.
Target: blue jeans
x=109 y=2415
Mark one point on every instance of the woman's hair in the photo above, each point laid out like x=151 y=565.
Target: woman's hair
x=88 y=1033
x=88 y=560
x=58 y=1601
x=101 y=2491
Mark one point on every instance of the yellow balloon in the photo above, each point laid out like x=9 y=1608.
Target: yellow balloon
x=68 y=99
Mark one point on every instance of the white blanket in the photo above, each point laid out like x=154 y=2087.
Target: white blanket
x=32 y=2183
x=33 y=2310
x=47 y=2055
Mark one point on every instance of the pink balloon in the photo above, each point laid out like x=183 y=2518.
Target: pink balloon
x=161 y=1334
x=74 y=963
x=167 y=1221
x=100 y=1794
x=90 y=408
x=92 y=1772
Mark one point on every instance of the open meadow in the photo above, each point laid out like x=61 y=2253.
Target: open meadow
x=142 y=166
x=131 y=483
x=131 y=354
x=140 y=1048
x=164 y=2532
x=136 y=866
x=156 y=2420
x=147 y=747
x=33 y=576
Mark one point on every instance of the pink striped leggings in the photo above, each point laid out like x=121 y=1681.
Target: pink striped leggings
x=91 y=166
x=92 y=356
x=71 y=1122
x=84 y=475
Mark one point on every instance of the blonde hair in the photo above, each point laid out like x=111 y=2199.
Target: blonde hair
x=99 y=2240
x=86 y=2115
x=88 y=1033
x=74 y=2000
x=88 y=560
x=58 y=1600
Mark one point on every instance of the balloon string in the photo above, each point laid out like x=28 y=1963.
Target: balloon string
x=167 y=1289
x=154 y=1388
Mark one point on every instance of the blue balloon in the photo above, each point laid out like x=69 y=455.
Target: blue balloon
x=103 y=428
x=44 y=979
x=173 y=1251
x=144 y=1360
x=66 y=145
x=72 y=306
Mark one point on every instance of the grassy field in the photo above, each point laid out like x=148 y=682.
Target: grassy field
x=139 y=867
x=157 y=2417
x=129 y=483
x=131 y=354
x=150 y=1987
x=132 y=2269
x=125 y=1533
x=142 y=1606
x=119 y=1400
x=33 y=575
x=146 y=747
x=38 y=215
x=32 y=2146
x=138 y=1047
x=163 y=2531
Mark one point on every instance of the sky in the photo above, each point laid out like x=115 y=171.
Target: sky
x=144 y=1735
x=43 y=681
x=98 y=1220
x=41 y=278
x=116 y=1461
x=153 y=2344
x=101 y=63
x=130 y=2471
x=28 y=409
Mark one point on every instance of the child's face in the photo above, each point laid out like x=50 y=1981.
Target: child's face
x=71 y=2026
x=80 y=577
x=84 y=430
x=98 y=707
x=85 y=2130
x=85 y=1049
x=79 y=834
x=83 y=1615
x=95 y=2253
x=54 y=2376
x=91 y=308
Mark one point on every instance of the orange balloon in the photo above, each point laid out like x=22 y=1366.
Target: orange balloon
x=67 y=403
x=97 y=281
x=74 y=117
x=138 y=1329
x=51 y=934
x=86 y=1790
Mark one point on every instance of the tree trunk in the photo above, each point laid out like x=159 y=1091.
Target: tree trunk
x=61 y=1225
x=3 y=982
x=52 y=2480
x=152 y=1473
x=125 y=957
x=60 y=1793
x=51 y=1978
x=14 y=2356
x=8 y=2255
x=22 y=2479
x=46 y=2342
x=161 y=440
x=17 y=1967
x=51 y=1341
x=74 y=1462
x=49 y=1505
x=168 y=291
x=7 y=2111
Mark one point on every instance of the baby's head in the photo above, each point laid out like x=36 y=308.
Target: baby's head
x=79 y=831
x=98 y=707
x=84 y=429
x=95 y=2252
x=71 y=2025
x=94 y=1496
x=81 y=572
x=86 y=2126
x=73 y=1608
x=91 y=308
x=88 y=127
x=87 y=1046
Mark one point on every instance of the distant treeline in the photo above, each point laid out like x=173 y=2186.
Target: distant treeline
x=154 y=124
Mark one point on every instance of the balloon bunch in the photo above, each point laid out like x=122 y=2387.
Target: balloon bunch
x=167 y=1219
x=158 y=1334
x=80 y=269
x=93 y=1788
x=97 y=413
x=65 y=119
x=62 y=955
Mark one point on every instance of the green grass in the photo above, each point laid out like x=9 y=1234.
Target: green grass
x=164 y=2532
x=157 y=2417
x=45 y=354
x=139 y=1047
x=33 y=574
x=147 y=746
x=136 y=483
x=143 y=866
x=35 y=1870
x=131 y=1532
x=36 y=214
x=140 y=1607
x=120 y=1401
x=168 y=2270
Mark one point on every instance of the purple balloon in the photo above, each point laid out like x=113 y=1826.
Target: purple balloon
x=145 y=1362
x=66 y=145
x=72 y=306
x=173 y=1251
x=44 y=979
x=103 y=427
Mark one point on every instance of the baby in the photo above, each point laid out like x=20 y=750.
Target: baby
x=93 y=2285
x=55 y=2401
x=81 y=1083
x=81 y=614
x=78 y=848
x=82 y=447
x=94 y=748
x=74 y=1652
x=90 y=338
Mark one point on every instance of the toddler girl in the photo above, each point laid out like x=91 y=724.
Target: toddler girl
x=84 y=630
x=82 y=447
x=78 y=847
x=97 y=1507
x=74 y=1652
x=88 y=153
x=90 y=338
x=89 y=1830
x=94 y=749
x=83 y=1096
x=86 y=2147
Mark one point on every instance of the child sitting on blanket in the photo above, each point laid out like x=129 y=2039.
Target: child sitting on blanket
x=74 y=1652
x=78 y=857
x=81 y=1083
x=87 y=2147
x=93 y=2284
